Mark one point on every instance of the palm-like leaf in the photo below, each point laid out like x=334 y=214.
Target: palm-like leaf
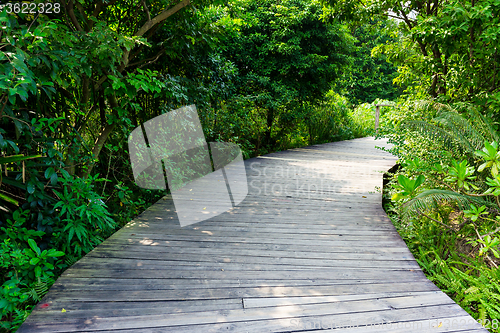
x=452 y=129
x=429 y=199
x=433 y=132
x=467 y=134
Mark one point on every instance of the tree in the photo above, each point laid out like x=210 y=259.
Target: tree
x=449 y=47
x=369 y=76
x=91 y=54
x=285 y=55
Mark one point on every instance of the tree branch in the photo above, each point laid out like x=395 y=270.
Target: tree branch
x=161 y=17
x=146 y=9
x=71 y=13
x=151 y=23
x=491 y=233
x=149 y=60
x=84 y=15
x=406 y=19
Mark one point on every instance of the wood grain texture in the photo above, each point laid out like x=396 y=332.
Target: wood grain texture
x=309 y=249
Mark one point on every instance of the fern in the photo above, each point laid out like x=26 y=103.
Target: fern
x=453 y=130
x=432 y=132
x=480 y=122
x=430 y=199
x=466 y=134
x=71 y=260
x=478 y=295
x=38 y=289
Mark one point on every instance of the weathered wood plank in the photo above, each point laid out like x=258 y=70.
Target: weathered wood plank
x=239 y=292
x=359 y=307
x=318 y=274
x=386 y=320
x=157 y=252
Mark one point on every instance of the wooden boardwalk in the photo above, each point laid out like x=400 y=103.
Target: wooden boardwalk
x=309 y=249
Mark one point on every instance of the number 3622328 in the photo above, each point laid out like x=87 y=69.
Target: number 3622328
x=31 y=8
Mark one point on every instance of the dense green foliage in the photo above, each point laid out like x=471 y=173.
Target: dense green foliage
x=445 y=48
x=370 y=77
x=286 y=59
x=445 y=199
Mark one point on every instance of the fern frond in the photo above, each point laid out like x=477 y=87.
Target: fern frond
x=40 y=288
x=484 y=125
x=430 y=199
x=429 y=106
x=454 y=130
x=70 y=260
x=467 y=134
x=432 y=132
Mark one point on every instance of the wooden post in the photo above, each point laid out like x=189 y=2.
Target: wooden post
x=377 y=114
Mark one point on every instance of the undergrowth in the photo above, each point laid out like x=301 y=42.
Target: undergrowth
x=444 y=200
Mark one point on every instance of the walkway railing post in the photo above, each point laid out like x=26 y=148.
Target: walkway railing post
x=377 y=114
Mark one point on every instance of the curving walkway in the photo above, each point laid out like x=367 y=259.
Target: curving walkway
x=309 y=249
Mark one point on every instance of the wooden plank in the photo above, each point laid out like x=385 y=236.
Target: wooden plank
x=427 y=316
x=200 y=262
x=213 y=317
x=229 y=247
x=395 y=242
x=166 y=284
x=163 y=252
x=318 y=274
x=261 y=234
x=264 y=302
x=331 y=229
x=239 y=292
x=52 y=310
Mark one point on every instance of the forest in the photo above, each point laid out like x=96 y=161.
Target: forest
x=77 y=76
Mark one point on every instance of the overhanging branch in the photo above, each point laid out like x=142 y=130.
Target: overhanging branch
x=151 y=23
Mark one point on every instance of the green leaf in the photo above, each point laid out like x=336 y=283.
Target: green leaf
x=23 y=94
x=419 y=181
x=16 y=158
x=404 y=181
x=9 y=199
x=483 y=166
x=30 y=187
x=397 y=196
x=34 y=261
x=49 y=172
x=38 y=271
x=4 y=303
x=53 y=179
x=55 y=254
x=33 y=245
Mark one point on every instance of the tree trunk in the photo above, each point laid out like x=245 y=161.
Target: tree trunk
x=101 y=140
